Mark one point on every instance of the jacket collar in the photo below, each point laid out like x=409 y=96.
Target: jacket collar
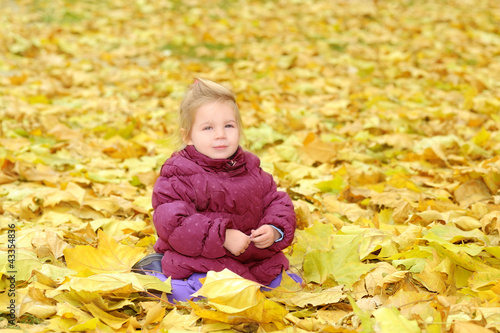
x=234 y=165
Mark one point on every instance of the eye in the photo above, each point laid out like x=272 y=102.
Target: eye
x=206 y=128
x=229 y=126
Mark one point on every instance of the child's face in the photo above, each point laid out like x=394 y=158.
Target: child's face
x=215 y=131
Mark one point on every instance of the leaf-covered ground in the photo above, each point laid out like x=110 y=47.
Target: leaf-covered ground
x=379 y=118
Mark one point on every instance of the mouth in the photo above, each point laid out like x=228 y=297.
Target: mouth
x=220 y=147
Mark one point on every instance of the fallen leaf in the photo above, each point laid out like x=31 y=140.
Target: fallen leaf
x=390 y=320
x=109 y=256
x=343 y=264
x=230 y=293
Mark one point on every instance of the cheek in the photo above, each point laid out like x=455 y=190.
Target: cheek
x=236 y=133
x=201 y=137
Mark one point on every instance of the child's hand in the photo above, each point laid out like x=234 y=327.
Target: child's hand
x=236 y=242
x=264 y=236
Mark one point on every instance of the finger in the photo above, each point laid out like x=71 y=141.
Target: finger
x=257 y=233
x=257 y=241
x=260 y=245
x=263 y=244
x=256 y=238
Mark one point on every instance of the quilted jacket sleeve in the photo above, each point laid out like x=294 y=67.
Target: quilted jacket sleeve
x=179 y=224
x=278 y=212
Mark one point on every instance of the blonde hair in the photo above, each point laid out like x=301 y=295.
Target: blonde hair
x=200 y=93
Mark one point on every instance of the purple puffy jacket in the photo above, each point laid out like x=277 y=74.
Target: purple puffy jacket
x=197 y=198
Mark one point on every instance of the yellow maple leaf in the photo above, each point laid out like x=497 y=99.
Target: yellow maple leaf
x=389 y=319
x=267 y=313
x=109 y=256
x=229 y=292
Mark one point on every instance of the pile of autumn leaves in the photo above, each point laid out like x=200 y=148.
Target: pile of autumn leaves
x=387 y=145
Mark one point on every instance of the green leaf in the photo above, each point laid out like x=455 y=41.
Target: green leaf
x=342 y=263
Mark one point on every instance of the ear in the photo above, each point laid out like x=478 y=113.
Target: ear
x=185 y=137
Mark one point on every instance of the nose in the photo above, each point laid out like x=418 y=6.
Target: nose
x=220 y=133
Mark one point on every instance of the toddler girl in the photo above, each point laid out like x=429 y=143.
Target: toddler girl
x=214 y=207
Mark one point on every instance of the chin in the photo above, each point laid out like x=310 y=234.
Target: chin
x=224 y=157
x=221 y=157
